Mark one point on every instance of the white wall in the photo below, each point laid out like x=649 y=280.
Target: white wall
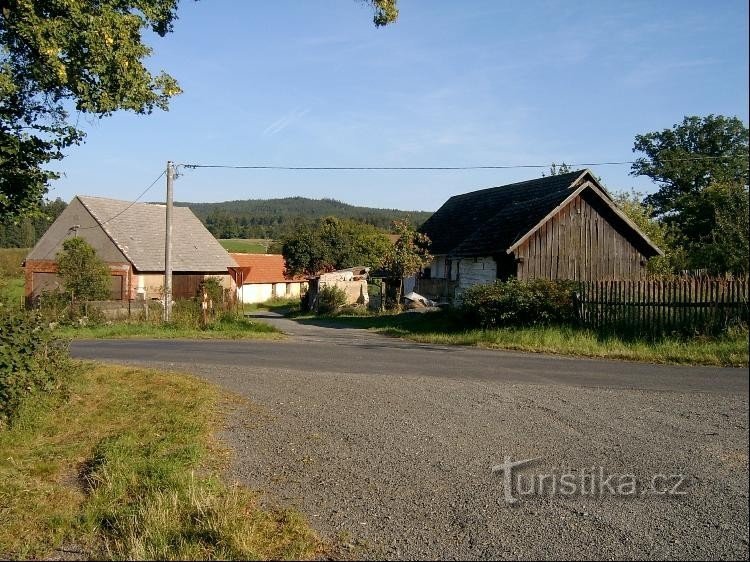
x=262 y=292
x=255 y=292
x=476 y=271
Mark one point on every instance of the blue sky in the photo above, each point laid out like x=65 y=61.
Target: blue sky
x=294 y=82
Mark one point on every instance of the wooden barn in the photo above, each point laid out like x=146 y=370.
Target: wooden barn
x=129 y=238
x=558 y=227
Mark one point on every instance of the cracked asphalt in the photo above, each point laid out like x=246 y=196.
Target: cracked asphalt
x=386 y=446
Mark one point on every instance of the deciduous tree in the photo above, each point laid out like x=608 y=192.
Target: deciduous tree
x=408 y=255
x=699 y=165
x=329 y=244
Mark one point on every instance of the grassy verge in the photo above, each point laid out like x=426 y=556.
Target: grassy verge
x=444 y=328
x=11 y=274
x=123 y=469
x=235 y=328
x=281 y=305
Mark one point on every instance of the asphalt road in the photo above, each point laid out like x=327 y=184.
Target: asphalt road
x=346 y=350
x=387 y=446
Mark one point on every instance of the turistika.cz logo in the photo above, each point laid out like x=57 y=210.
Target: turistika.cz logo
x=590 y=481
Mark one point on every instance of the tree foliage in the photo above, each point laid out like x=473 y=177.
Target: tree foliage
x=409 y=254
x=330 y=243
x=386 y=11
x=727 y=248
x=699 y=165
x=642 y=214
x=83 y=273
x=27 y=231
x=685 y=160
x=277 y=218
x=557 y=169
x=57 y=56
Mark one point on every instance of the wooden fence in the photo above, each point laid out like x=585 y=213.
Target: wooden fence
x=695 y=305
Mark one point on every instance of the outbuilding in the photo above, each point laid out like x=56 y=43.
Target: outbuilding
x=129 y=237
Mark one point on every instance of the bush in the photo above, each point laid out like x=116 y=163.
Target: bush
x=83 y=273
x=520 y=303
x=32 y=361
x=330 y=299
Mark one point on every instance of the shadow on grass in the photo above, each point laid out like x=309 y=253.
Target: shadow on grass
x=453 y=322
x=449 y=322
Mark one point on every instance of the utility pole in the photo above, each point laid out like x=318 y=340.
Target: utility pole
x=168 y=245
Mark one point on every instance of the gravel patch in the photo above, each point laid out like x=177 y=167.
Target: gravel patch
x=399 y=467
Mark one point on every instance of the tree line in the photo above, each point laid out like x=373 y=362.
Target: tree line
x=276 y=218
x=25 y=232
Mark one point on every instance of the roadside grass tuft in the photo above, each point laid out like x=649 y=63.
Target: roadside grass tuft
x=224 y=328
x=447 y=328
x=127 y=468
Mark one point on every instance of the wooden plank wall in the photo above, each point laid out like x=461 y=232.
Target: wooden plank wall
x=579 y=243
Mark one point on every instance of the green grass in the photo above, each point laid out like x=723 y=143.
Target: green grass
x=234 y=328
x=280 y=305
x=445 y=328
x=126 y=468
x=11 y=274
x=245 y=246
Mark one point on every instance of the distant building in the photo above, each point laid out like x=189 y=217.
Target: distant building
x=352 y=281
x=261 y=277
x=558 y=227
x=129 y=238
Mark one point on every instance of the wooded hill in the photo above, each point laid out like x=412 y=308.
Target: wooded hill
x=271 y=218
x=252 y=218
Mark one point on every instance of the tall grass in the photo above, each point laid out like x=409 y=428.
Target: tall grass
x=127 y=469
x=450 y=328
x=11 y=276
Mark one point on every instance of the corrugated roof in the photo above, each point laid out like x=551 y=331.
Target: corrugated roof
x=264 y=268
x=139 y=231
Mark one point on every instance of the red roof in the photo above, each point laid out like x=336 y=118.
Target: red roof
x=261 y=268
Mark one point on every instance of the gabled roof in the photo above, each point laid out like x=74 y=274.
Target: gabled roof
x=263 y=268
x=495 y=220
x=138 y=230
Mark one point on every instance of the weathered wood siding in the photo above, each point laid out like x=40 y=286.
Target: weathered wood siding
x=579 y=243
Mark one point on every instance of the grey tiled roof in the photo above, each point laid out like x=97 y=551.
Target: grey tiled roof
x=139 y=230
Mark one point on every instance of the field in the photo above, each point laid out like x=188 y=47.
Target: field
x=246 y=245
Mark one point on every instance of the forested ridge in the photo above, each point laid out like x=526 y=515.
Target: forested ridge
x=251 y=218
x=272 y=218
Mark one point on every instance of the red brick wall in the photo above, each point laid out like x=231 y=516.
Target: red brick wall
x=50 y=266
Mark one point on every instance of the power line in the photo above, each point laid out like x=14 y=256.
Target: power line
x=435 y=168
x=153 y=183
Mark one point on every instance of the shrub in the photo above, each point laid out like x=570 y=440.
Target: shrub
x=32 y=361
x=520 y=303
x=83 y=273
x=330 y=299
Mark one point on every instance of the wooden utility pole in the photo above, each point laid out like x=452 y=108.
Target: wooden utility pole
x=168 y=245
